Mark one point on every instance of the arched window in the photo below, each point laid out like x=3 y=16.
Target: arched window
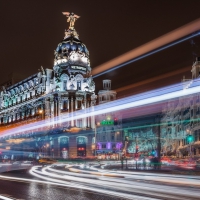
x=64 y=84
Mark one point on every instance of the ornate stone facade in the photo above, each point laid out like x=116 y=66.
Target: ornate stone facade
x=109 y=125
x=52 y=93
x=180 y=118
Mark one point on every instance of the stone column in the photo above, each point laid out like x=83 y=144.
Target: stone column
x=75 y=110
x=72 y=110
x=59 y=110
x=52 y=111
x=59 y=106
x=68 y=104
x=93 y=102
x=88 y=118
x=56 y=111
x=76 y=104
x=85 y=119
x=62 y=102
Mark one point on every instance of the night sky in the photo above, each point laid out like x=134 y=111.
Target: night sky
x=31 y=30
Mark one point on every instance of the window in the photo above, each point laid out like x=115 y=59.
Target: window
x=113 y=138
x=103 y=146
x=78 y=85
x=104 y=138
x=65 y=85
x=113 y=146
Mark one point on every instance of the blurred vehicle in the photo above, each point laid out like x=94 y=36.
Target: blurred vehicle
x=198 y=163
x=46 y=161
x=17 y=163
x=27 y=163
x=166 y=161
x=186 y=164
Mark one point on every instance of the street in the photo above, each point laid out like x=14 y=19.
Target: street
x=19 y=189
x=63 y=181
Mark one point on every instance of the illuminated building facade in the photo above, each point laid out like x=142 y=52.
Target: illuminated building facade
x=180 y=118
x=66 y=88
x=109 y=125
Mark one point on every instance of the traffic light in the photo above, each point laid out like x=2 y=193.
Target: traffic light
x=115 y=121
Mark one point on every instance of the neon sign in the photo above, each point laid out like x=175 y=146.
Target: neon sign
x=107 y=122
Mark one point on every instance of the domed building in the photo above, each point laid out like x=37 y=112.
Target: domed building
x=54 y=94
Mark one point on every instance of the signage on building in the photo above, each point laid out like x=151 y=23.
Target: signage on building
x=76 y=67
x=107 y=122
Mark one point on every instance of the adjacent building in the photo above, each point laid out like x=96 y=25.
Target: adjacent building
x=180 y=120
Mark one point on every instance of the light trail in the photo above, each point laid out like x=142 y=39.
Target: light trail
x=125 y=183
x=5 y=198
x=150 y=48
x=153 y=79
x=135 y=101
x=57 y=182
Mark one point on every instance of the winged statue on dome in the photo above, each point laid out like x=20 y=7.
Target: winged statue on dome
x=71 y=18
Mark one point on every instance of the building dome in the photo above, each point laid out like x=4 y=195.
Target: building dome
x=71 y=54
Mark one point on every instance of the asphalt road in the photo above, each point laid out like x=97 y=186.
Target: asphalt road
x=37 y=191
x=76 y=182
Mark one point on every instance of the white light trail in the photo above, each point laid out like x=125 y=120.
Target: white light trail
x=5 y=198
x=143 y=99
x=128 y=184
x=147 y=48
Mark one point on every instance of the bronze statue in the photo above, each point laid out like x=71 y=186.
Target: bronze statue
x=71 y=18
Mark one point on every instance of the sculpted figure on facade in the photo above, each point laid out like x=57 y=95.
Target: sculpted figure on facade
x=71 y=18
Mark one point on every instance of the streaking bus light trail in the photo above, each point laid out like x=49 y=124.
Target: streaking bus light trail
x=126 y=103
x=151 y=47
x=147 y=54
